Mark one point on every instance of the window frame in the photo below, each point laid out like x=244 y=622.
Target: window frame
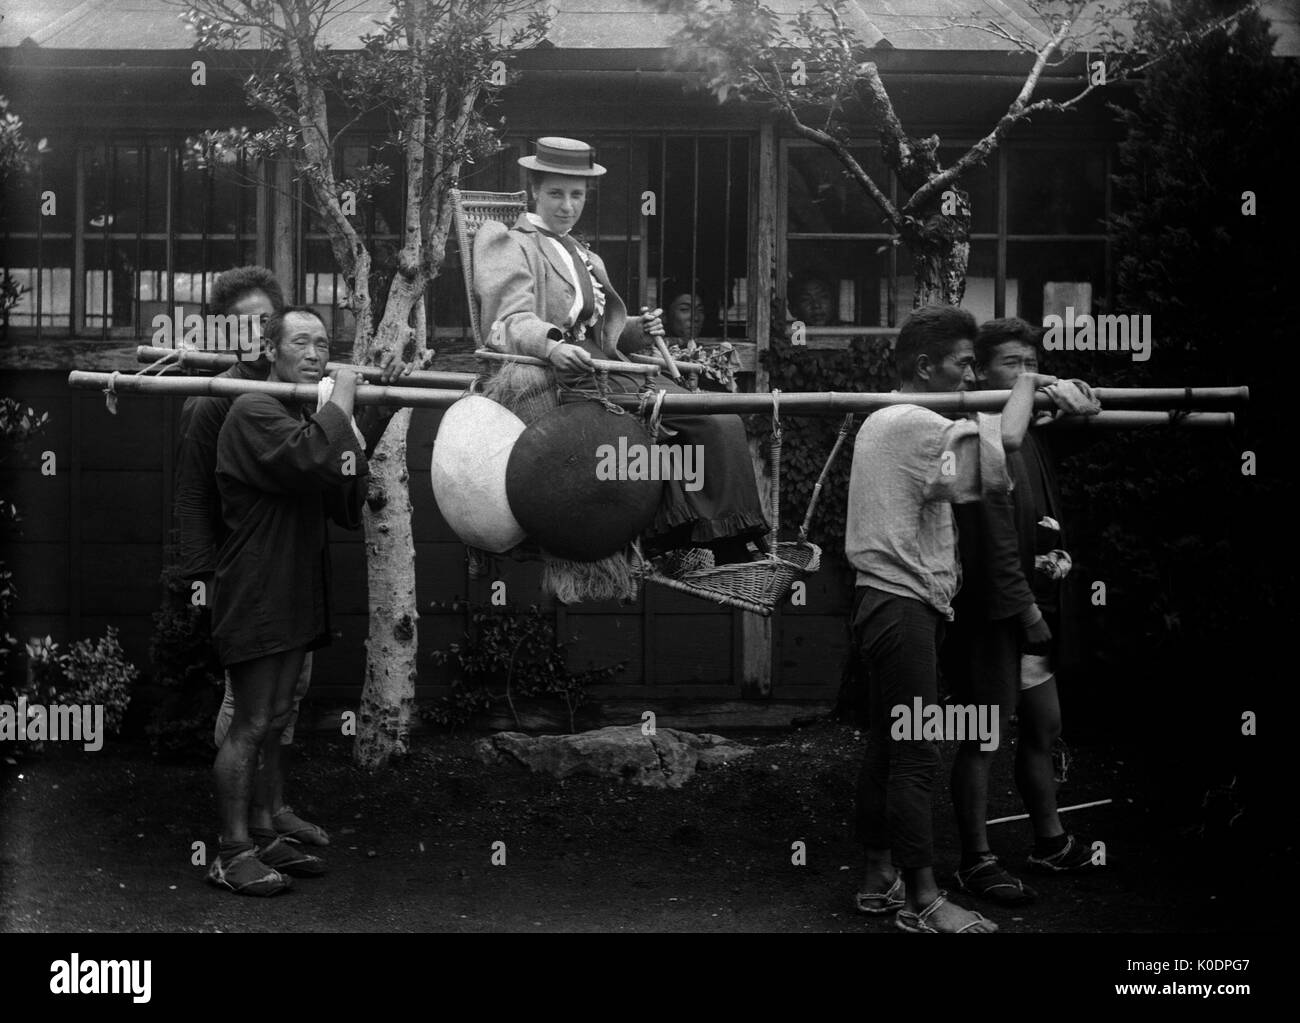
x=839 y=337
x=79 y=322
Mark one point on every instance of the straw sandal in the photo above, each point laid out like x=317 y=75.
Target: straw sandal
x=989 y=880
x=880 y=903
x=289 y=858
x=918 y=923
x=292 y=827
x=245 y=874
x=1076 y=856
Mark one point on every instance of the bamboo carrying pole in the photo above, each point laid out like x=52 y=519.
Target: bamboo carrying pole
x=838 y=403
x=367 y=394
x=184 y=358
x=1113 y=399
x=812 y=403
x=218 y=361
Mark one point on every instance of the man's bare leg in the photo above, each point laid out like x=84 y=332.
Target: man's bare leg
x=881 y=872
x=287 y=822
x=273 y=850
x=1040 y=727
x=269 y=789
x=980 y=873
x=970 y=797
x=254 y=684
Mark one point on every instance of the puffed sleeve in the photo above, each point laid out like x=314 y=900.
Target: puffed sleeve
x=507 y=292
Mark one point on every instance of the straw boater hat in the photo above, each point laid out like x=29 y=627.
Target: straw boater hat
x=563 y=156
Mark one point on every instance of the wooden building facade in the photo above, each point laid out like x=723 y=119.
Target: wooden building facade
x=740 y=207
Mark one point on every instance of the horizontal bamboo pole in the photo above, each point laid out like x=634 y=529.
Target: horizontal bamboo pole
x=838 y=403
x=1129 y=420
x=367 y=394
x=608 y=364
x=809 y=403
x=218 y=361
x=823 y=403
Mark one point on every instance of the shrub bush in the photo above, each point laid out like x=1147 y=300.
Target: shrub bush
x=516 y=651
x=186 y=667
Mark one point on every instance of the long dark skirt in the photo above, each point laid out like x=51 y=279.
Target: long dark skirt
x=727 y=506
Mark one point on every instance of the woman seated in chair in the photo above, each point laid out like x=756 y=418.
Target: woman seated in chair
x=544 y=294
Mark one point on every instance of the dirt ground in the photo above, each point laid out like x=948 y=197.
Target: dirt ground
x=102 y=842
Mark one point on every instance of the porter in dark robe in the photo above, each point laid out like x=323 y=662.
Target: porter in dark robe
x=281 y=472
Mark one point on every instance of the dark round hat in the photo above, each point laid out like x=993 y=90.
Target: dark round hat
x=557 y=494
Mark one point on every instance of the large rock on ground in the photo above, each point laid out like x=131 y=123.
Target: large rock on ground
x=666 y=759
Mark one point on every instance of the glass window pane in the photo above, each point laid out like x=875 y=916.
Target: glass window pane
x=155 y=205
x=732 y=278
x=321 y=282
x=1045 y=277
x=110 y=282
x=191 y=198
x=193 y=274
x=234 y=199
x=676 y=195
x=125 y=194
x=498 y=172
x=99 y=216
x=644 y=230
x=48 y=282
x=1056 y=191
x=823 y=198
x=58 y=173
x=152 y=283
x=839 y=283
x=112 y=190
x=703 y=214
x=606 y=215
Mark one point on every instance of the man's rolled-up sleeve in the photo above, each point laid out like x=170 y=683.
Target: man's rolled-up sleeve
x=967 y=461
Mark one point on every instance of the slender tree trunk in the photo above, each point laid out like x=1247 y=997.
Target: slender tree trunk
x=388 y=694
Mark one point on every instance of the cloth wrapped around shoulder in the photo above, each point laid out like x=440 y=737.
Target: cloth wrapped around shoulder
x=324 y=391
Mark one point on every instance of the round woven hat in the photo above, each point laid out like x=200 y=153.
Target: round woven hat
x=557 y=155
x=554 y=484
x=468 y=472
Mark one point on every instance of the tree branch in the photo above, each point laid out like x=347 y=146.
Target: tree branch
x=846 y=157
x=980 y=152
